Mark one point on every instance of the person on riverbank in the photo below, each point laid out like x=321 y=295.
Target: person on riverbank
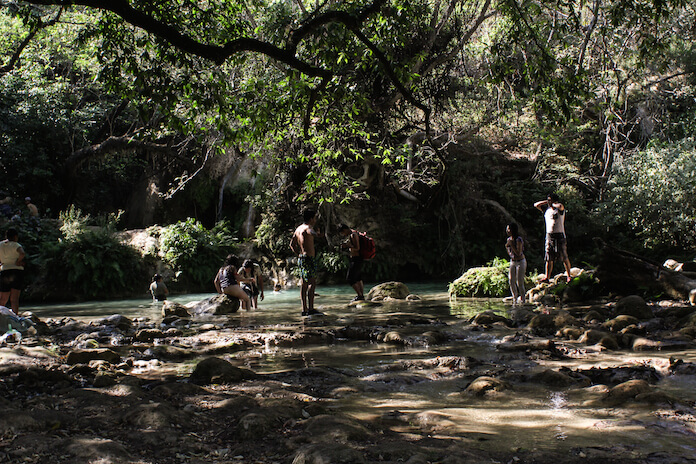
x=227 y=281
x=354 y=276
x=518 y=263
x=555 y=246
x=302 y=244
x=254 y=289
x=33 y=210
x=11 y=269
x=158 y=288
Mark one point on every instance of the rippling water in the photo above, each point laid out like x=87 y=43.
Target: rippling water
x=529 y=416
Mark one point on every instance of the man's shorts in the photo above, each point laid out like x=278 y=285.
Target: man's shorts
x=308 y=267
x=555 y=247
x=354 y=270
x=11 y=279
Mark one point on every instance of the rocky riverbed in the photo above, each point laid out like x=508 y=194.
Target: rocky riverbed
x=412 y=381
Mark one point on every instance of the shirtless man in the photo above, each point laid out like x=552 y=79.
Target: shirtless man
x=302 y=244
x=354 y=276
x=554 y=217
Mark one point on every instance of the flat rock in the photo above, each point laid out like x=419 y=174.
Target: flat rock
x=85 y=356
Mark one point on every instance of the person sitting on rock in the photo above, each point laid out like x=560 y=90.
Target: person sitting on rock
x=250 y=270
x=227 y=281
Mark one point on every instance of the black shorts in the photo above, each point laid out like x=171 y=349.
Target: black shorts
x=11 y=279
x=354 y=270
x=556 y=247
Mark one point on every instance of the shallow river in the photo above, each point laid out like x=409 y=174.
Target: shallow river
x=528 y=417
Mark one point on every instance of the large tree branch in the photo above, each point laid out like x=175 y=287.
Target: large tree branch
x=215 y=53
x=110 y=145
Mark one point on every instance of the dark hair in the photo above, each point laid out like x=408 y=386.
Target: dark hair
x=248 y=263
x=343 y=227
x=308 y=215
x=232 y=260
x=514 y=229
x=156 y=277
x=11 y=233
x=553 y=197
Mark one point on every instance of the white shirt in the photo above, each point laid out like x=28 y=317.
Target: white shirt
x=555 y=220
x=9 y=254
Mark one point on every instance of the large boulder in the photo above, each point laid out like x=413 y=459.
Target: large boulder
x=170 y=308
x=483 y=385
x=395 y=290
x=217 y=305
x=635 y=306
x=218 y=371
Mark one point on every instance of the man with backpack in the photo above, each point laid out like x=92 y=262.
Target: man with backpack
x=359 y=249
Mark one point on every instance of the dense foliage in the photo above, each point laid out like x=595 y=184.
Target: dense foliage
x=194 y=252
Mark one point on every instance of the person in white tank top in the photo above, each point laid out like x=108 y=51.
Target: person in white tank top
x=555 y=246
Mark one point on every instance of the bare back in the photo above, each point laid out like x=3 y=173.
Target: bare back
x=303 y=240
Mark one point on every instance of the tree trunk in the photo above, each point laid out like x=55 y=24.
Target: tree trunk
x=624 y=272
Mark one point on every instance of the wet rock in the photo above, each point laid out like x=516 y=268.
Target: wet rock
x=635 y=306
x=645 y=344
x=167 y=352
x=592 y=337
x=177 y=389
x=434 y=337
x=692 y=297
x=217 y=305
x=548 y=300
x=489 y=318
x=147 y=335
x=394 y=337
x=620 y=322
x=521 y=316
x=326 y=453
x=85 y=356
x=542 y=323
x=627 y=391
x=256 y=424
x=395 y=290
x=532 y=345
x=40 y=376
x=413 y=297
x=118 y=321
x=170 y=308
x=688 y=321
x=485 y=384
x=336 y=429
x=218 y=371
x=593 y=315
x=553 y=378
x=570 y=333
x=618 y=375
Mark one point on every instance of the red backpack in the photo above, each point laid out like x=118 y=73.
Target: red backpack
x=367 y=246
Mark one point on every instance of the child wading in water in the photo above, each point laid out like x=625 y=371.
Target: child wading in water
x=518 y=263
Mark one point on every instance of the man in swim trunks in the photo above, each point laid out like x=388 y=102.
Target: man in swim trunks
x=302 y=244
x=554 y=217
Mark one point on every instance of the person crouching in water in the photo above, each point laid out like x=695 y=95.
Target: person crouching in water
x=227 y=281
x=518 y=263
x=158 y=288
x=252 y=271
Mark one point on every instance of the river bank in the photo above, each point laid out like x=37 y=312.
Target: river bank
x=400 y=381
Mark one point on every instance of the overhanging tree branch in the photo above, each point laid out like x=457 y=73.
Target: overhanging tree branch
x=27 y=40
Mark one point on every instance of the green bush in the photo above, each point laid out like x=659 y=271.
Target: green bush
x=490 y=281
x=194 y=252
x=93 y=264
x=651 y=196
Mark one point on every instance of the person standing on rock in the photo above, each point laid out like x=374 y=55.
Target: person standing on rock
x=11 y=269
x=354 y=276
x=302 y=244
x=555 y=248
x=227 y=281
x=518 y=263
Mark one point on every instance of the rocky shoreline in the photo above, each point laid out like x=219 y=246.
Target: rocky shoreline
x=179 y=390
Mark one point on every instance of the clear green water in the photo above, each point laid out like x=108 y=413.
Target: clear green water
x=530 y=416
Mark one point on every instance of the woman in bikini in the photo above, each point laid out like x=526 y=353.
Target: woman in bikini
x=227 y=281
